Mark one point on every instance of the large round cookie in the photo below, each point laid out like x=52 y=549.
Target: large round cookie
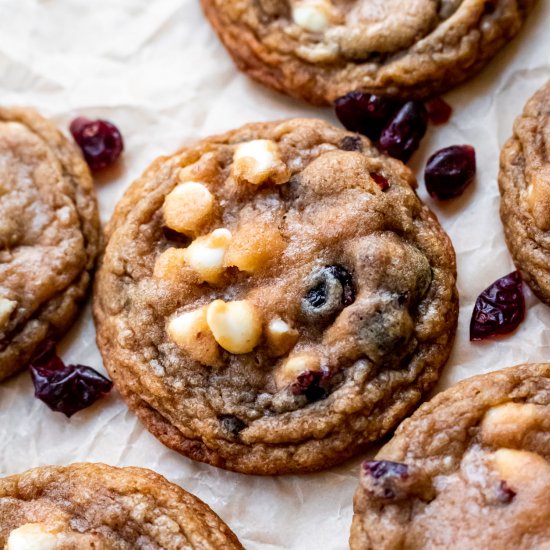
x=321 y=49
x=273 y=299
x=470 y=469
x=524 y=182
x=93 y=506
x=49 y=234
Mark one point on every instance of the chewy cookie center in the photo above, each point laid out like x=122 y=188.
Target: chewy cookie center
x=296 y=278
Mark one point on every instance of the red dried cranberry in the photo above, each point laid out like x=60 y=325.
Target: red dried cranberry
x=312 y=384
x=100 y=141
x=365 y=113
x=449 y=171
x=402 y=135
x=384 y=479
x=505 y=493
x=65 y=388
x=439 y=111
x=499 y=309
x=380 y=180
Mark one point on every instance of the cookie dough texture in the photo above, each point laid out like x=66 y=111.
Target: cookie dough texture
x=319 y=50
x=524 y=182
x=478 y=472
x=49 y=234
x=105 y=508
x=345 y=278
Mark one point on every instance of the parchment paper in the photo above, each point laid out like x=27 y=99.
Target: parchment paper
x=156 y=69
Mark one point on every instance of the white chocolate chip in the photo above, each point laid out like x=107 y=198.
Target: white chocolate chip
x=236 y=326
x=190 y=331
x=258 y=161
x=506 y=425
x=206 y=255
x=7 y=307
x=312 y=15
x=187 y=207
x=280 y=337
x=296 y=365
x=31 y=536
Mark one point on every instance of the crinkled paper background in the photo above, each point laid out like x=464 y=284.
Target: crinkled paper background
x=156 y=69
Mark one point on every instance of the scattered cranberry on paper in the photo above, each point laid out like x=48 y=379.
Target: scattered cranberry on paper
x=65 y=388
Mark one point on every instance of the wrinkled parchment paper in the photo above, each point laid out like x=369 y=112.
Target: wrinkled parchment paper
x=156 y=69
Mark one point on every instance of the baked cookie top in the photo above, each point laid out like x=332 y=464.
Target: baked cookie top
x=469 y=469
x=524 y=182
x=273 y=299
x=49 y=234
x=322 y=49
x=93 y=506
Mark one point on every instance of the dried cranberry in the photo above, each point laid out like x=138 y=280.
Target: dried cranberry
x=505 y=493
x=365 y=113
x=66 y=388
x=100 y=141
x=384 y=478
x=231 y=424
x=402 y=135
x=312 y=384
x=330 y=289
x=449 y=171
x=439 y=111
x=499 y=309
x=351 y=143
x=380 y=180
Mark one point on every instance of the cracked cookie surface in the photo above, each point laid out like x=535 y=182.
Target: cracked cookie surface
x=322 y=49
x=105 y=508
x=469 y=469
x=524 y=182
x=49 y=234
x=274 y=299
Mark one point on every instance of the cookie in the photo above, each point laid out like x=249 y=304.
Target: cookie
x=274 y=299
x=469 y=469
x=319 y=50
x=49 y=235
x=525 y=195
x=105 y=508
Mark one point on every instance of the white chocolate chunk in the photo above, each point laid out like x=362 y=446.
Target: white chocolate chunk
x=7 y=307
x=206 y=255
x=187 y=207
x=506 y=425
x=190 y=331
x=236 y=326
x=520 y=467
x=31 y=536
x=296 y=365
x=312 y=15
x=258 y=161
x=280 y=336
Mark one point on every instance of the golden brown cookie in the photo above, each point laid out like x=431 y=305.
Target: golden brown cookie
x=49 y=234
x=93 y=506
x=273 y=299
x=524 y=182
x=322 y=49
x=469 y=469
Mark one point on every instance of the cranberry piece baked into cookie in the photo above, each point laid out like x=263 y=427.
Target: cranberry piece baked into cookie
x=469 y=469
x=273 y=299
x=49 y=234
x=524 y=182
x=93 y=506
x=321 y=49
